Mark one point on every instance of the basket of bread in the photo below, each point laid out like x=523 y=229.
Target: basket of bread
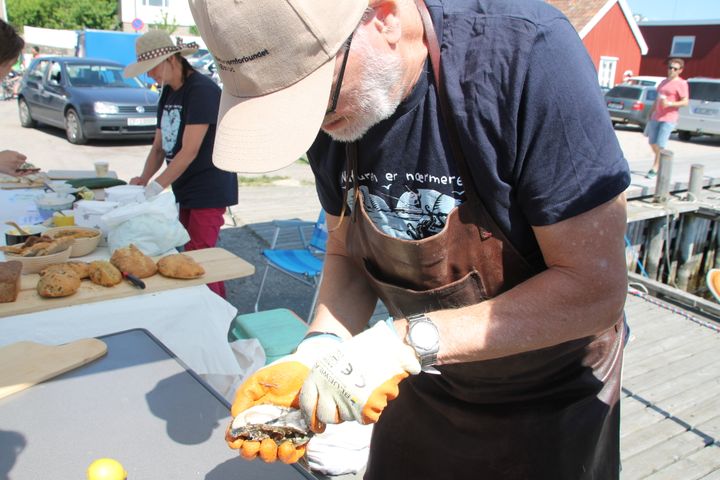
x=84 y=239
x=37 y=253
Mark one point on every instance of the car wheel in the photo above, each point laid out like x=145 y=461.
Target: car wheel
x=684 y=135
x=26 y=119
x=73 y=128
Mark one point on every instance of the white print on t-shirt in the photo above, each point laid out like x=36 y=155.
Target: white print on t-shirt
x=170 y=126
x=416 y=214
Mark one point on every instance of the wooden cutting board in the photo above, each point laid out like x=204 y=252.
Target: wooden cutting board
x=219 y=265
x=25 y=364
x=18 y=185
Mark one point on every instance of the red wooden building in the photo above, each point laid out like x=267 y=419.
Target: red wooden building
x=696 y=42
x=610 y=34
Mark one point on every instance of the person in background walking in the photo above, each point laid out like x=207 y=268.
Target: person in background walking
x=187 y=114
x=672 y=94
x=11 y=44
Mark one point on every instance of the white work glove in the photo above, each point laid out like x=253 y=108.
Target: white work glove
x=153 y=189
x=278 y=384
x=358 y=378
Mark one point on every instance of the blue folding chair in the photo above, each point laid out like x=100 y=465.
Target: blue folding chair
x=303 y=264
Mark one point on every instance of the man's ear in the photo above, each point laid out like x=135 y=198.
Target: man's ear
x=387 y=20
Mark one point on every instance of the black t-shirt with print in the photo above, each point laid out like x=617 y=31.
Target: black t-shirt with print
x=202 y=184
x=532 y=124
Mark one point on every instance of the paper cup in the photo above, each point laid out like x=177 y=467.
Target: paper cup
x=102 y=169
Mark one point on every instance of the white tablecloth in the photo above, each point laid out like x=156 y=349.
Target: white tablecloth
x=192 y=322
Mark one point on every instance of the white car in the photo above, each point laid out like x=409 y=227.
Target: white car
x=702 y=115
x=644 y=81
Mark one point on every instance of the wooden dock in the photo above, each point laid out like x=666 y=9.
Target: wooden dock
x=670 y=416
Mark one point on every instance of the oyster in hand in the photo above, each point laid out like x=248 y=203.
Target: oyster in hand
x=270 y=421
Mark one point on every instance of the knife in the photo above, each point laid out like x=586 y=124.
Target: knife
x=133 y=279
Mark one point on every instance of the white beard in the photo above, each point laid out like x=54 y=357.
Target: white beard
x=377 y=96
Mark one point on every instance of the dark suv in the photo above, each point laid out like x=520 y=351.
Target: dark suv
x=630 y=104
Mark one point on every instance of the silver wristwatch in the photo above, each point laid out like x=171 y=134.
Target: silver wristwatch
x=424 y=338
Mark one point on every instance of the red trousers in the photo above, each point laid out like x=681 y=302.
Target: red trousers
x=203 y=226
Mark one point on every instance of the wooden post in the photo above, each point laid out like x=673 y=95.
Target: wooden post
x=688 y=259
x=695 y=185
x=656 y=234
x=662 y=186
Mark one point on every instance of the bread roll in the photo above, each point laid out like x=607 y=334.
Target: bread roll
x=180 y=266
x=131 y=260
x=58 y=284
x=104 y=273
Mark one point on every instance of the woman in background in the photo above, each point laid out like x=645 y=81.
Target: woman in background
x=187 y=114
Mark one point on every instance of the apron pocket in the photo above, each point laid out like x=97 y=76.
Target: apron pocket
x=403 y=302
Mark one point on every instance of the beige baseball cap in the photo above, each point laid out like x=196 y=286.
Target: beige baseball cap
x=276 y=61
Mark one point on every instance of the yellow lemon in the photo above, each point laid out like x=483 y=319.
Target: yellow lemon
x=106 y=469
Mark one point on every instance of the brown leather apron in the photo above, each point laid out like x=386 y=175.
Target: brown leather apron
x=547 y=414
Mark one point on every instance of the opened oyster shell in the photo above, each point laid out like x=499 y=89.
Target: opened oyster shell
x=270 y=421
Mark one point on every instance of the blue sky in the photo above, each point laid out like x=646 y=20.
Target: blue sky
x=676 y=9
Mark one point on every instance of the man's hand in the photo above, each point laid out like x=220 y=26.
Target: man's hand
x=138 y=181
x=10 y=161
x=278 y=384
x=358 y=378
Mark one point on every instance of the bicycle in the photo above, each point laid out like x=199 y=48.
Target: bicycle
x=11 y=85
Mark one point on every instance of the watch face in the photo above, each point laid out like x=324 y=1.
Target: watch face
x=424 y=335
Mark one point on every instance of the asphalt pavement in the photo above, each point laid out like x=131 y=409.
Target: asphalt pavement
x=290 y=193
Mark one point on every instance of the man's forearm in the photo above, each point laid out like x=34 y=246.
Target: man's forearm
x=345 y=300
x=582 y=293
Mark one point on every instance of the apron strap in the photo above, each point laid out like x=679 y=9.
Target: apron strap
x=433 y=47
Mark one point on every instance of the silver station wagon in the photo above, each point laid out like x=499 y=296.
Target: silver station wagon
x=702 y=115
x=88 y=98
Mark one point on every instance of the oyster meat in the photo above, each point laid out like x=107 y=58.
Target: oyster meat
x=270 y=421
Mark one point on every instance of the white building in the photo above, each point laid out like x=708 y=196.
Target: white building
x=174 y=12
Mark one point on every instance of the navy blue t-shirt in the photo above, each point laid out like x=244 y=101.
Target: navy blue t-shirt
x=532 y=125
x=202 y=184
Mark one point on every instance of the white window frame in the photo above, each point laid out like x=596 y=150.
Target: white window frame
x=682 y=38
x=606 y=78
x=165 y=4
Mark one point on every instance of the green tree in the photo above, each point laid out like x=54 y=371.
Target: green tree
x=64 y=14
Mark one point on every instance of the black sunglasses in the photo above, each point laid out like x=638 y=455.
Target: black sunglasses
x=673 y=68
x=338 y=84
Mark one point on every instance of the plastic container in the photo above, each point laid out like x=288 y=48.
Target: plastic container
x=64 y=218
x=13 y=237
x=88 y=213
x=50 y=203
x=61 y=187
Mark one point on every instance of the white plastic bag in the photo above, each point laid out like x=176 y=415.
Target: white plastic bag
x=152 y=226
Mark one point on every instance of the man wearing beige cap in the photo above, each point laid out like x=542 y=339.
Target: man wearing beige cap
x=473 y=183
